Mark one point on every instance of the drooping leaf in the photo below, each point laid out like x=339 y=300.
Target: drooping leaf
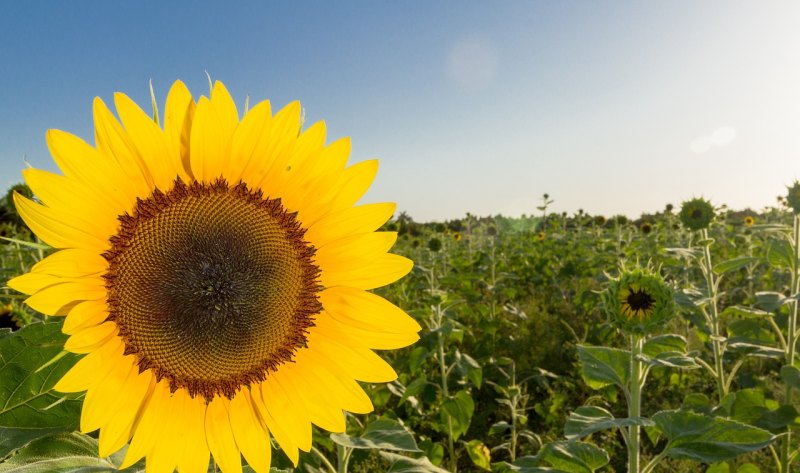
x=664 y=343
x=602 y=366
x=573 y=457
x=747 y=312
x=780 y=254
x=382 y=434
x=64 y=453
x=29 y=409
x=587 y=420
x=708 y=439
x=734 y=264
x=404 y=464
x=458 y=409
x=479 y=454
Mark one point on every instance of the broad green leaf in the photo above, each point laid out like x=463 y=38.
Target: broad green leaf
x=742 y=311
x=750 y=406
x=664 y=343
x=458 y=409
x=791 y=376
x=780 y=254
x=734 y=264
x=29 y=409
x=64 y=453
x=602 y=366
x=587 y=420
x=770 y=301
x=708 y=439
x=479 y=454
x=573 y=457
x=468 y=367
x=403 y=464
x=672 y=359
x=383 y=434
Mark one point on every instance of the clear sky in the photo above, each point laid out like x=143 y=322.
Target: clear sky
x=472 y=106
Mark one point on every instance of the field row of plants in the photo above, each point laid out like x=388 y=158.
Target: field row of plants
x=550 y=342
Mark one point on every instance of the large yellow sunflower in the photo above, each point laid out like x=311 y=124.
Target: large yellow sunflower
x=215 y=275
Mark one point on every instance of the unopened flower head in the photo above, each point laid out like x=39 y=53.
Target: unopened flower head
x=638 y=301
x=697 y=214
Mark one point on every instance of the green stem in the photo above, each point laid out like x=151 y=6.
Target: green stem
x=446 y=394
x=342 y=459
x=323 y=459
x=716 y=341
x=635 y=406
x=791 y=341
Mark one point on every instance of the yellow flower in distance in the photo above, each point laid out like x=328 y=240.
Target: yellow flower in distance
x=215 y=275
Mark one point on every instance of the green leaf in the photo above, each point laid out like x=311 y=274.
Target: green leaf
x=708 y=439
x=479 y=454
x=64 y=453
x=780 y=254
x=383 y=434
x=573 y=457
x=458 y=409
x=30 y=409
x=587 y=420
x=747 y=312
x=602 y=366
x=403 y=464
x=791 y=376
x=672 y=360
x=749 y=406
x=734 y=264
x=664 y=343
x=468 y=367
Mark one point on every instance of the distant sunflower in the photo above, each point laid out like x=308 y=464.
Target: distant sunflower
x=215 y=275
x=457 y=236
x=540 y=236
x=639 y=301
x=646 y=228
x=749 y=221
x=697 y=214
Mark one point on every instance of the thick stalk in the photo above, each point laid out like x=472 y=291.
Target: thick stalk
x=716 y=339
x=342 y=459
x=791 y=342
x=446 y=394
x=635 y=405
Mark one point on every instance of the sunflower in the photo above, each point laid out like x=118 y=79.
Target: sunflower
x=697 y=214
x=540 y=236
x=215 y=275
x=638 y=301
x=749 y=221
x=646 y=228
x=457 y=236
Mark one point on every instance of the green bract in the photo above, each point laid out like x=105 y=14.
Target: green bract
x=793 y=197
x=696 y=214
x=639 y=301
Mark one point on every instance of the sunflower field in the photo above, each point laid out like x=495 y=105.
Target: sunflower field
x=202 y=293
x=549 y=342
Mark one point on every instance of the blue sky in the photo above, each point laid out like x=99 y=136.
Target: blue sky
x=613 y=107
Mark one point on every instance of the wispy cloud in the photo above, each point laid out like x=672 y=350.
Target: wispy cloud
x=722 y=136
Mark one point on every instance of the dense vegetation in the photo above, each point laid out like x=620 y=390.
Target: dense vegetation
x=519 y=367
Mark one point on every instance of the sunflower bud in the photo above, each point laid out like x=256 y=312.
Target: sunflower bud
x=434 y=244
x=638 y=301
x=696 y=214
x=793 y=197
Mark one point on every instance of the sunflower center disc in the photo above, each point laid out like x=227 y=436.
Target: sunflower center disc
x=212 y=286
x=639 y=300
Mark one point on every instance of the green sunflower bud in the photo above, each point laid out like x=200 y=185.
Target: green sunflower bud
x=696 y=214
x=793 y=197
x=638 y=301
x=434 y=244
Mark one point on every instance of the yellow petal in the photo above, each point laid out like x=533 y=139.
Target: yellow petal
x=296 y=382
x=250 y=434
x=366 y=311
x=275 y=147
x=148 y=427
x=164 y=453
x=227 y=119
x=97 y=173
x=178 y=114
x=112 y=140
x=85 y=314
x=263 y=400
x=101 y=399
x=90 y=338
x=72 y=263
x=149 y=140
x=220 y=436
x=68 y=197
x=358 y=362
x=334 y=381
x=245 y=142
x=378 y=340
x=30 y=283
x=292 y=417
x=350 y=221
x=117 y=430
x=384 y=270
x=350 y=253
x=56 y=229
x=195 y=455
x=58 y=299
x=335 y=195
x=88 y=369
